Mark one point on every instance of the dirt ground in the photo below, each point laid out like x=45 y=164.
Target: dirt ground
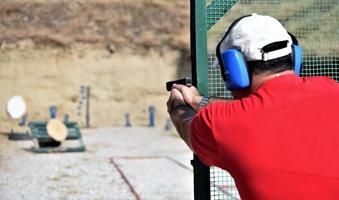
x=155 y=163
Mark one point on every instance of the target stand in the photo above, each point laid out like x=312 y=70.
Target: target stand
x=43 y=143
x=16 y=110
x=19 y=131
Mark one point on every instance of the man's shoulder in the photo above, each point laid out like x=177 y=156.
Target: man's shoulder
x=321 y=84
x=321 y=80
x=233 y=108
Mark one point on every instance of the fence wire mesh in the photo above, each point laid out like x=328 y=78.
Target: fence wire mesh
x=315 y=23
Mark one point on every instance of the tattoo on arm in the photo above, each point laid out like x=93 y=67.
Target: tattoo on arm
x=181 y=118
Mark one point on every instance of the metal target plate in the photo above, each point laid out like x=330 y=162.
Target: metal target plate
x=16 y=107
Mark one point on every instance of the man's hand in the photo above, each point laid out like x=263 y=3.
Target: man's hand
x=174 y=100
x=181 y=115
x=190 y=95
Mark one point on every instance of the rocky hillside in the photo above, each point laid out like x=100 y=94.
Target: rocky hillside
x=141 y=24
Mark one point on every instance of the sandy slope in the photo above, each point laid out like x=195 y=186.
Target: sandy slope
x=121 y=82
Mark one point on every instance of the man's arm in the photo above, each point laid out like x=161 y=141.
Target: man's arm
x=193 y=98
x=181 y=115
x=182 y=106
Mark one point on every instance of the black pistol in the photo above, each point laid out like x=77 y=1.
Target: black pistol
x=185 y=81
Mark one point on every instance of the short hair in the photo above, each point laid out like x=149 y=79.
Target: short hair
x=271 y=66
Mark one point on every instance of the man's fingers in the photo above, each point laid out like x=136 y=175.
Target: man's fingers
x=178 y=87
x=175 y=94
x=181 y=88
x=175 y=97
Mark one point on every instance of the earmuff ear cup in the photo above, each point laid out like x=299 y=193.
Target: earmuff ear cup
x=297 y=58
x=234 y=70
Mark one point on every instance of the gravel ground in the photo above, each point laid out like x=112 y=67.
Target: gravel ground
x=150 y=160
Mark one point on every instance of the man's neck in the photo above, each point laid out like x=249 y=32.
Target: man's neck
x=257 y=80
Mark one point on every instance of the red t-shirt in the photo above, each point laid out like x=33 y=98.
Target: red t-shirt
x=281 y=142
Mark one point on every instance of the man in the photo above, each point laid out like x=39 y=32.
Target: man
x=279 y=138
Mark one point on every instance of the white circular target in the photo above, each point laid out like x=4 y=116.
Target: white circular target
x=16 y=107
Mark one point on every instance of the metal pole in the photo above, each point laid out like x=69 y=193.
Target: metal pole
x=198 y=28
x=199 y=46
x=151 y=110
x=88 y=94
x=202 y=185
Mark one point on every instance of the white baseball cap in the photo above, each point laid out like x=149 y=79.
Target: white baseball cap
x=251 y=33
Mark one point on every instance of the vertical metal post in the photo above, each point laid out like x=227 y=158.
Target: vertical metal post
x=199 y=45
x=200 y=80
x=127 y=119
x=151 y=110
x=88 y=94
x=201 y=173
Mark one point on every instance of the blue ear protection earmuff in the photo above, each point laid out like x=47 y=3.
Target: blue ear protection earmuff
x=296 y=54
x=234 y=70
x=233 y=65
